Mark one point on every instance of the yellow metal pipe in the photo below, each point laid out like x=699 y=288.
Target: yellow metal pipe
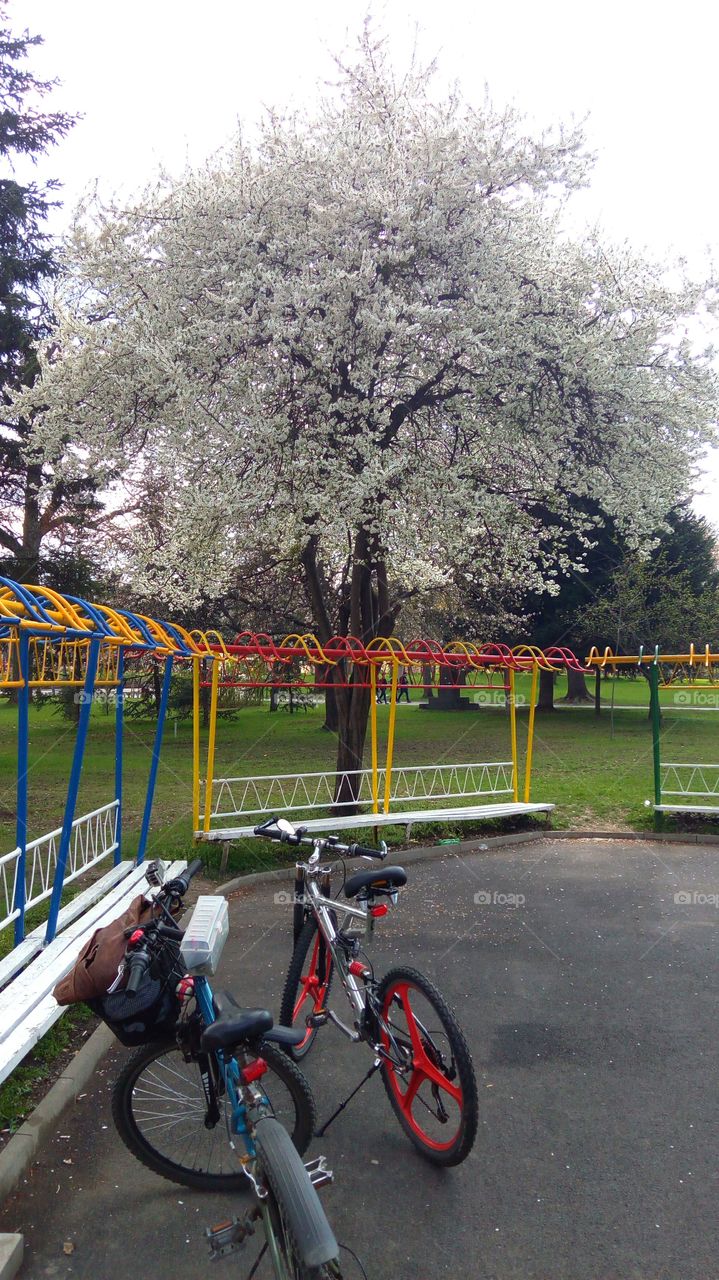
x=211 y=747
x=373 y=729
x=530 y=733
x=513 y=729
x=195 y=744
x=390 y=738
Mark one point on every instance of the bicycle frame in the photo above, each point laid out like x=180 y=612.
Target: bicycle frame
x=230 y=1072
x=229 y=1236
x=323 y=908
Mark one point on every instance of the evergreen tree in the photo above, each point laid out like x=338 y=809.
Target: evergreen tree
x=33 y=507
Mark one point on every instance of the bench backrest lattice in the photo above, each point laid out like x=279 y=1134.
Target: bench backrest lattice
x=93 y=838
x=292 y=792
x=694 y=781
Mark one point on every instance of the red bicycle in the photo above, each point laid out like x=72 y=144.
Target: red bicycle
x=417 y=1044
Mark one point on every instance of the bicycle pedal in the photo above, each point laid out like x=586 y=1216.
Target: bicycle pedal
x=318 y=1172
x=227 y=1237
x=318 y=1019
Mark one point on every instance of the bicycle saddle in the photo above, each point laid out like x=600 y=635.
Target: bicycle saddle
x=236 y=1025
x=387 y=879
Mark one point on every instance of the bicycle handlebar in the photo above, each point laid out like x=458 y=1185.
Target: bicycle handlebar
x=138 y=965
x=365 y=851
x=180 y=884
x=271 y=831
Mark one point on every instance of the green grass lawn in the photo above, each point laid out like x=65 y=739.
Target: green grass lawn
x=598 y=771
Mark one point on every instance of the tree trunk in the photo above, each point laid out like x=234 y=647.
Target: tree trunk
x=577 y=691
x=545 y=701
x=350 y=745
x=368 y=616
x=332 y=718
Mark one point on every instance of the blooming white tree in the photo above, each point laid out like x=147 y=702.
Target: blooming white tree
x=366 y=341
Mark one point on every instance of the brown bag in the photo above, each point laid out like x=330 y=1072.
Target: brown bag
x=97 y=965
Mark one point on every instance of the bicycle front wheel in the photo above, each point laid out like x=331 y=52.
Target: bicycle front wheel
x=307 y=985
x=300 y=1240
x=160 y=1110
x=428 y=1072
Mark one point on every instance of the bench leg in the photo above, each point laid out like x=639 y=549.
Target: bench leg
x=224 y=857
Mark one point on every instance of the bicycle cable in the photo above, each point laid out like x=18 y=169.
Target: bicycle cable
x=344 y=878
x=352 y=1254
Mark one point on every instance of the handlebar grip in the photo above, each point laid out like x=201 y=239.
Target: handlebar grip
x=139 y=964
x=173 y=935
x=264 y=828
x=180 y=884
x=364 y=851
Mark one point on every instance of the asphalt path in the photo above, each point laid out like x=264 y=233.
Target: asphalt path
x=590 y=1005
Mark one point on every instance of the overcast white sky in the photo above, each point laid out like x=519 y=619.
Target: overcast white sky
x=164 y=81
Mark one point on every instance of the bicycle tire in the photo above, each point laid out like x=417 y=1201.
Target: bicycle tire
x=291 y=1011
x=302 y=1232
x=396 y=983
x=129 y=1111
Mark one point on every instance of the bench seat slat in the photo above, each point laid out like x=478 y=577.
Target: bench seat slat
x=33 y=943
x=686 y=808
x=35 y=984
x=349 y=821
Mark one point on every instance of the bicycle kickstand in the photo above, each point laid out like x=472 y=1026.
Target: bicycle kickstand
x=319 y=1133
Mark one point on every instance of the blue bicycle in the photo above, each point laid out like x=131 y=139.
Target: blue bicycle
x=180 y=1104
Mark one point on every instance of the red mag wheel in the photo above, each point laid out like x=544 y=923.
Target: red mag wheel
x=307 y=985
x=428 y=1072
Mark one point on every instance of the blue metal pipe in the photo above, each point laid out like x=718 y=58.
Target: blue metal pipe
x=119 y=707
x=151 y=781
x=23 y=738
x=73 y=786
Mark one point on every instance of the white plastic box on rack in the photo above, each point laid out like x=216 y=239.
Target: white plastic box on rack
x=205 y=935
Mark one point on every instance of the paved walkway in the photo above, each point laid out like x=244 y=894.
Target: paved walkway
x=591 y=1009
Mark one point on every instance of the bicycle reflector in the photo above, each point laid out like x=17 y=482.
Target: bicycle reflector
x=380 y=910
x=254 y=1070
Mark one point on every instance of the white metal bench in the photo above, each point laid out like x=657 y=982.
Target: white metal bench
x=28 y=974
x=692 y=785
x=403 y=818
x=486 y=788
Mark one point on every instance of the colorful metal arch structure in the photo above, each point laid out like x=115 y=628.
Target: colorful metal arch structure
x=680 y=787
x=48 y=641
x=302 y=661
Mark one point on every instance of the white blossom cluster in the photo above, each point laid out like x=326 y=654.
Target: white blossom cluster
x=372 y=318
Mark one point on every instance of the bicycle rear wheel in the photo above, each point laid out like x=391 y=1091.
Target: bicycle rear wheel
x=307 y=985
x=300 y=1240
x=159 y=1109
x=429 y=1076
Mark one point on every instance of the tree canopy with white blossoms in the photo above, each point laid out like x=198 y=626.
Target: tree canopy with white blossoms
x=366 y=340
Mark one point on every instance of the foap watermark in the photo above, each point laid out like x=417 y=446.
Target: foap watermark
x=496 y=698
x=285 y=898
x=113 y=696
x=696 y=898
x=494 y=898
x=695 y=698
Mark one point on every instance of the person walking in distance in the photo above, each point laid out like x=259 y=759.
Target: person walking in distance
x=381 y=686
x=403 y=687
